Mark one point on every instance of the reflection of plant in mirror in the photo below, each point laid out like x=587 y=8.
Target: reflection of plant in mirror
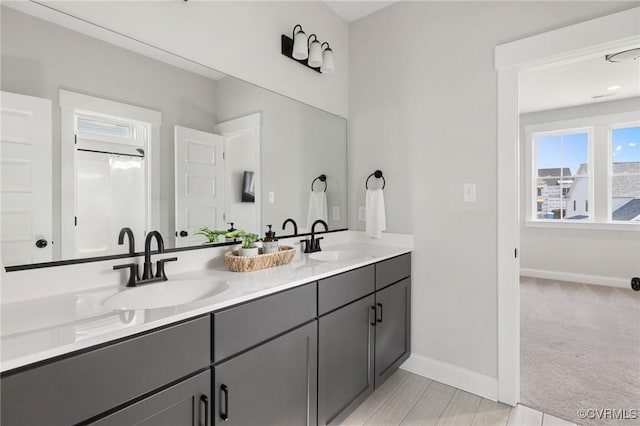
x=212 y=235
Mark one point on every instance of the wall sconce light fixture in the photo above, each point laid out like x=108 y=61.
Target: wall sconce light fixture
x=308 y=51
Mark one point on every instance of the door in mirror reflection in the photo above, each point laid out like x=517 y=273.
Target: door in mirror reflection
x=199 y=183
x=25 y=185
x=107 y=186
x=242 y=159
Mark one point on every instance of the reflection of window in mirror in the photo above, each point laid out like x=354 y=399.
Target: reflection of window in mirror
x=107 y=187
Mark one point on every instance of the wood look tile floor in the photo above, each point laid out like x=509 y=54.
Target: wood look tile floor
x=409 y=399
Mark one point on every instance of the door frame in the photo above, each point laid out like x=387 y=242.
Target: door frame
x=69 y=103
x=251 y=123
x=592 y=38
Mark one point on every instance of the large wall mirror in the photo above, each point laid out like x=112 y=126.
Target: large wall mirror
x=97 y=137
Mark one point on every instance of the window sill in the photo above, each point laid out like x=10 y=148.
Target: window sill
x=583 y=225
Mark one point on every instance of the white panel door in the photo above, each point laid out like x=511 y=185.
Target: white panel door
x=199 y=184
x=25 y=183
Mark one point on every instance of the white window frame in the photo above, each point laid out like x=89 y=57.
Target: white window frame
x=600 y=209
x=532 y=134
x=72 y=103
x=610 y=130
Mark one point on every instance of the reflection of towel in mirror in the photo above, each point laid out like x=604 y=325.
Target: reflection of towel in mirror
x=375 y=221
x=317 y=208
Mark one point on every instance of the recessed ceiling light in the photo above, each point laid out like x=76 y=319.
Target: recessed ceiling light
x=625 y=55
x=614 y=87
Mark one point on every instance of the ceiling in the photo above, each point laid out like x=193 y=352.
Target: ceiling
x=589 y=81
x=355 y=9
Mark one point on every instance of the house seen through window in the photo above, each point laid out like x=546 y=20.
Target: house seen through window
x=625 y=174
x=562 y=176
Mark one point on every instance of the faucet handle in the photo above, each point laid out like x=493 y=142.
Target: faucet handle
x=134 y=276
x=305 y=243
x=160 y=267
x=317 y=247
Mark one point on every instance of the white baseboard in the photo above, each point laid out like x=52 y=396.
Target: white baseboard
x=576 y=278
x=452 y=375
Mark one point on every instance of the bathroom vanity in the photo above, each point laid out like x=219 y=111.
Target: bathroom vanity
x=305 y=343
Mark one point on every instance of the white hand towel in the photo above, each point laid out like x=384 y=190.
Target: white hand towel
x=317 y=208
x=375 y=220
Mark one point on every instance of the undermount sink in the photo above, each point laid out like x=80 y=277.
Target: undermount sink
x=335 y=255
x=163 y=294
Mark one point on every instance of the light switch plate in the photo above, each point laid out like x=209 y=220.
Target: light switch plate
x=272 y=197
x=361 y=213
x=469 y=191
x=336 y=212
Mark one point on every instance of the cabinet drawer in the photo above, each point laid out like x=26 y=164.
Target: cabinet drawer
x=77 y=388
x=246 y=325
x=392 y=270
x=339 y=290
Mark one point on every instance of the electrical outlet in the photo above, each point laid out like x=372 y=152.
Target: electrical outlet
x=336 y=212
x=361 y=213
x=272 y=197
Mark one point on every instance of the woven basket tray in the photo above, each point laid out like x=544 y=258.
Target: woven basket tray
x=253 y=263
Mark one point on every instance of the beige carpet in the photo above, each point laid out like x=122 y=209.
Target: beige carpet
x=580 y=349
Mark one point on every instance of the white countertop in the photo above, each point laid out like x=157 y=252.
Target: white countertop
x=35 y=330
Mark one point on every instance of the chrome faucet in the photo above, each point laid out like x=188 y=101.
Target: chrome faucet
x=313 y=244
x=293 y=222
x=147 y=274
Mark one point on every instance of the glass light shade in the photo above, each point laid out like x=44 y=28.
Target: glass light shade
x=300 y=51
x=327 y=61
x=315 y=54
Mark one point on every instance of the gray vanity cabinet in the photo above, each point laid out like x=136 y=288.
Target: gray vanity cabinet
x=81 y=386
x=363 y=333
x=393 y=328
x=272 y=384
x=184 y=404
x=345 y=359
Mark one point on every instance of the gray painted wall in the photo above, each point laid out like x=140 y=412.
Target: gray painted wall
x=39 y=58
x=298 y=144
x=423 y=110
x=600 y=253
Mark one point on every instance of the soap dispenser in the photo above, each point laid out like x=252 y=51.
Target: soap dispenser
x=270 y=242
x=231 y=229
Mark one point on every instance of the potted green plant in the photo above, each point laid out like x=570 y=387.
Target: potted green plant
x=248 y=247
x=211 y=235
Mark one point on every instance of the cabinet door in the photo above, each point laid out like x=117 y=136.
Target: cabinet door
x=272 y=384
x=345 y=361
x=393 y=328
x=183 y=404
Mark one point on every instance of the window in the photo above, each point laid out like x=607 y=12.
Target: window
x=562 y=174
x=625 y=174
x=584 y=172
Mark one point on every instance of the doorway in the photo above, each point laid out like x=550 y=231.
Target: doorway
x=108 y=153
x=570 y=44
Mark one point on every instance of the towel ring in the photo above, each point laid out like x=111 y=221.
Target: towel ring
x=377 y=174
x=321 y=178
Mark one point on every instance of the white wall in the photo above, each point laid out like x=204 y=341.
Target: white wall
x=291 y=130
x=423 y=110
x=597 y=256
x=240 y=38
